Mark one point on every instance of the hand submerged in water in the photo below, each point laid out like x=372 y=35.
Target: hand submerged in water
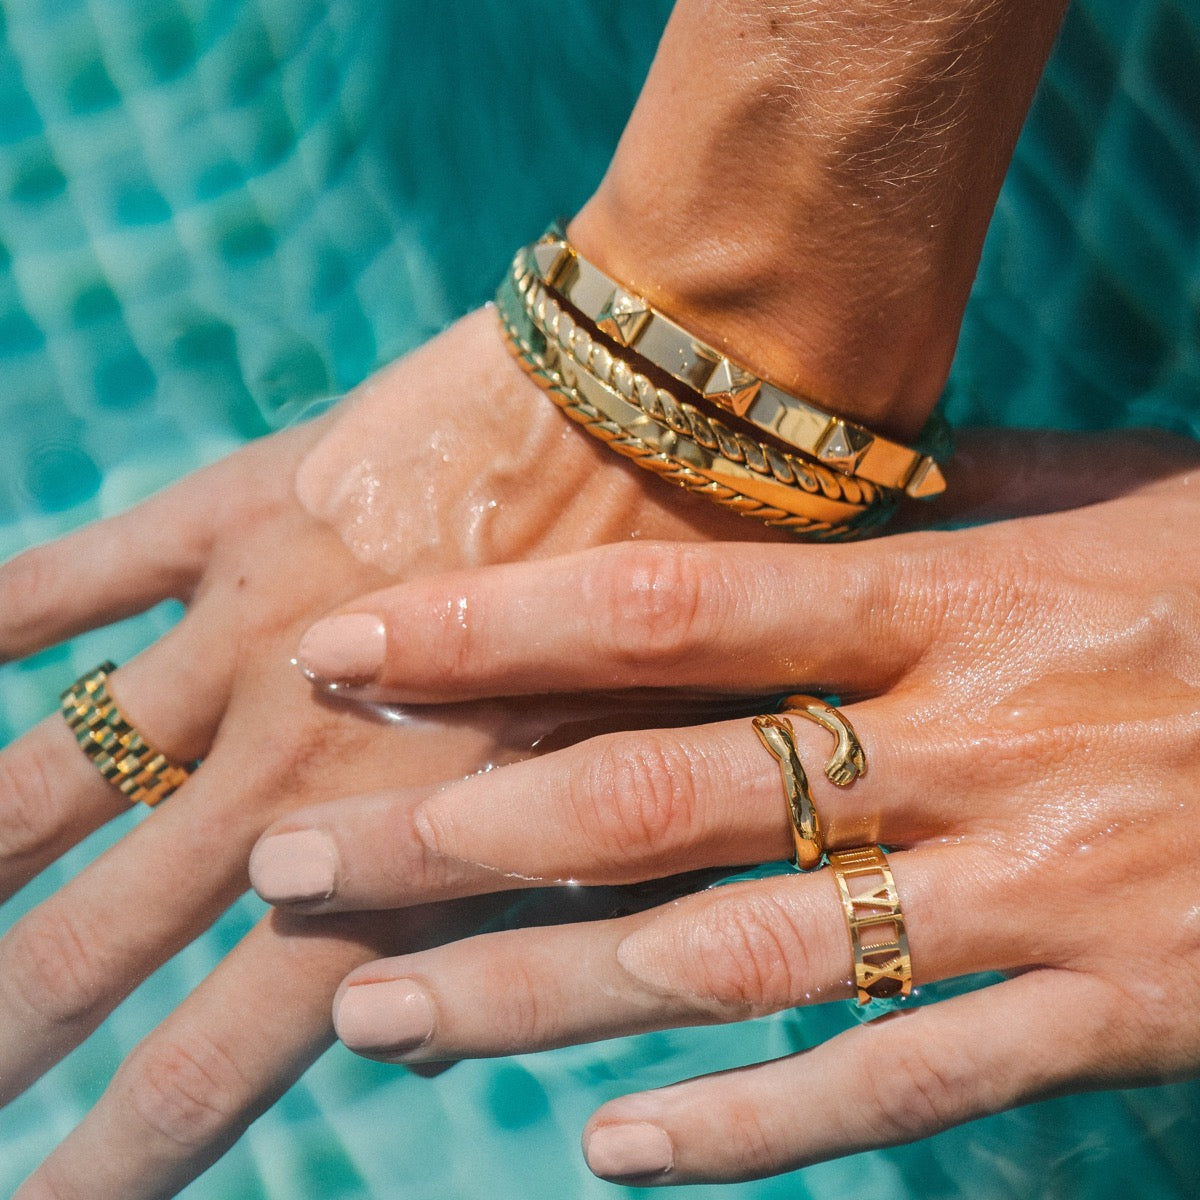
x=258 y=546
x=1028 y=696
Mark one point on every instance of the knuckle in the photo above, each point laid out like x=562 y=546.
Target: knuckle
x=530 y=1009
x=27 y=583
x=54 y=964
x=754 y=1147
x=28 y=812
x=188 y=1091
x=453 y=649
x=25 y=576
x=652 y=603
x=52 y=1182
x=918 y=1094
x=633 y=799
x=749 y=956
x=1163 y=626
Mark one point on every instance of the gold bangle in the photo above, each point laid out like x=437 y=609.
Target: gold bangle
x=631 y=322
x=878 y=941
x=116 y=748
x=586 y=354
x=630 y=431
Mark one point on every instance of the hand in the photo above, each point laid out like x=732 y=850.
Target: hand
x=449 y=457
x=1027 y=693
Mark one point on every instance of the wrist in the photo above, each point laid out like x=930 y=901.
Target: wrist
x=865 y=329
x=810 y=190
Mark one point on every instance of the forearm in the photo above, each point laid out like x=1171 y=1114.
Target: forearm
x=808 y=184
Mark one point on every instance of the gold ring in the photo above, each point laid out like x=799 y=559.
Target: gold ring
x=120 y=753
x=849 y=760
x=775 y=732
x=846 y=764
x=882 y=963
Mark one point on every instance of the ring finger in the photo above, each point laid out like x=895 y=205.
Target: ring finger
x=51 y=796
x=728 y=954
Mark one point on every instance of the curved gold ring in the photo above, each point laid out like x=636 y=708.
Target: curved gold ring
x=849 y=760
x=140 y=773
x=775 y=732
x=878 y=940
x=846 y=764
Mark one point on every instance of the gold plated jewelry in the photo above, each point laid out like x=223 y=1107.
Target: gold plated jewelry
x=882 y=964
x=849 y=760
x=610 y=401
x=846 y=764
x=587 y=355
x=775 y=733
x=631 y=322
x=141 y=773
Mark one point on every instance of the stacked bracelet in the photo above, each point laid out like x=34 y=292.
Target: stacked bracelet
x=603 y=355
x=751 y=486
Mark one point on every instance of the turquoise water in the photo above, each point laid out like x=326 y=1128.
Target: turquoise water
x=213 y=214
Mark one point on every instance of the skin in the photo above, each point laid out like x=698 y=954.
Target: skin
x=254 y=570
x=1028 y=696
x=846 y=281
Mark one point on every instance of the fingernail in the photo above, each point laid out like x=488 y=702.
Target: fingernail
x=348 y=649
x=288 y=867
x=632 y=1149
x=393 y=1017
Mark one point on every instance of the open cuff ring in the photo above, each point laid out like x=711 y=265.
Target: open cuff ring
x=135 y=768
x=847 y=762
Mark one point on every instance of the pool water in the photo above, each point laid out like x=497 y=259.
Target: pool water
x=214 y=214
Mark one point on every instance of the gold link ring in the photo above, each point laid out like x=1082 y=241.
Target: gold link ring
x=139 y=772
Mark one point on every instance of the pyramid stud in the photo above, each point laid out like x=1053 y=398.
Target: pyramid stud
x=731 y=387
x=927 y=480
x=623 y=317
x=842 y=446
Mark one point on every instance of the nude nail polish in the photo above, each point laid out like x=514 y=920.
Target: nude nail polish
x=346 y=649
x=629 y=1150
x=391 y=1017
x=286 y=868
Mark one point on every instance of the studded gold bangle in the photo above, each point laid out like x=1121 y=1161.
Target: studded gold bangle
x=533 y=325
x=631 y=322
x=878 y=941
x=119 y=752
x=592 y=358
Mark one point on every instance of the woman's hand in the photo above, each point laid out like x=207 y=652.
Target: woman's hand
x=1029 y=698
x=451 y=457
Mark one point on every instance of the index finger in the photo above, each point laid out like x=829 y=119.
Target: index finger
x=730 y=616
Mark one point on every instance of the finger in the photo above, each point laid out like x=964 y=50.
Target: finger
x=1004 y=473
x=727 y=954
x=52 y=796
x=741 y=618
x=68 y=962
x=731 y=617
x=615 y=809
x=110 y=569
x=882 y=1084
x=190 y=1089
x=154 y=551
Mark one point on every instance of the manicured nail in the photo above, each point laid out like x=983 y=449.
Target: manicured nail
x=288 y=867
x=632 y=1149
x=393 y=1017
x=349 y=649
